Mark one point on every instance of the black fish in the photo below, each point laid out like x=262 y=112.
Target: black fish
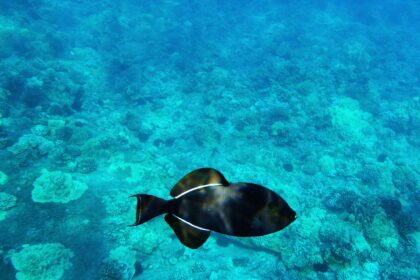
x=204 y=201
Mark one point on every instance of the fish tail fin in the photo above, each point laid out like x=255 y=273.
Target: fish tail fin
x=148 y=207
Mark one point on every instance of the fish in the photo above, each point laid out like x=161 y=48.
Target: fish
x=204 y=201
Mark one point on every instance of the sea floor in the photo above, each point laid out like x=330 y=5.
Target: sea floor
x=316 y=100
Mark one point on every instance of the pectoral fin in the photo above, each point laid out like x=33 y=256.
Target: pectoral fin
x=189 y=235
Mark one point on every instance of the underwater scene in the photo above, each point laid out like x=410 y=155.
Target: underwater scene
x=154 y=114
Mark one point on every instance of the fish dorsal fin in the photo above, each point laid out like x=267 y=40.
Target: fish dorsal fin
x=197 y=178
x=189 y=235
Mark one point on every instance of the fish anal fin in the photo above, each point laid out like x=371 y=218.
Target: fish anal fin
x=199 y=177
x=190 y=236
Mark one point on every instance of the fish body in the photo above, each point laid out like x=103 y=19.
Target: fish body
x=240 y=209
x=204 y=201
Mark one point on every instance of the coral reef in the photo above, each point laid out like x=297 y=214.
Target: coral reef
x=46 y=261
x=32 y=144
x=350 y=121
x=58 y=187
x=404 y=179
x=7 y=201
x=3 y=178
x=100 y=100
x=114 y=270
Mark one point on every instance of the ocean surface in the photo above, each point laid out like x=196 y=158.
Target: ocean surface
x=316 y=100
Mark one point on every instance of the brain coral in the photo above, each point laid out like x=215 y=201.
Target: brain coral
x=58 y=187
x=45 y=261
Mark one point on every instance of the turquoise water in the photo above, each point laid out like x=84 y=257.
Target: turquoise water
x=316 y=100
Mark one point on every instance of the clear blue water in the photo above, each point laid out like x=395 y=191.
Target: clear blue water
x=316 y=100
